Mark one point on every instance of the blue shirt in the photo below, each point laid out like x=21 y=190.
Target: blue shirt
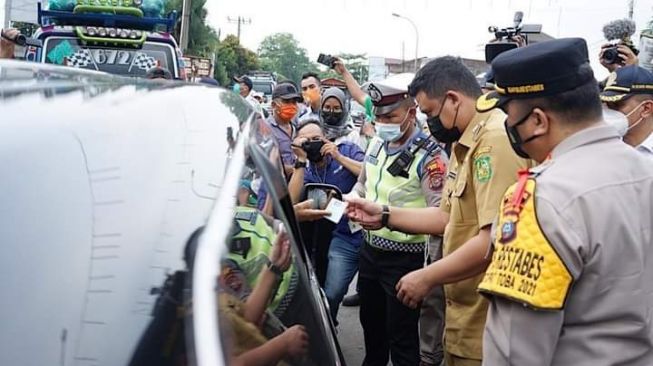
x=335 y=174
x=283 y=140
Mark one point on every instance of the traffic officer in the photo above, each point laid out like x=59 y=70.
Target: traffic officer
x=629 y=90
x=482 y=166
x=570 y=280
x=402 y=167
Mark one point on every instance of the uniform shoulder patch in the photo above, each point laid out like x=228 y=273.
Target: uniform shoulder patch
x=435 y=170
x=483 y=168
x=525 y=266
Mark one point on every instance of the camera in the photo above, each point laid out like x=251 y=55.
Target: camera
x=618 y=32
x=22 y=40
x=326 y=60
x=504 y=36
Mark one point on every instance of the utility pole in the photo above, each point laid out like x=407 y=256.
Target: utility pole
x=185 y=25
x=240 y=20
x=631 y=7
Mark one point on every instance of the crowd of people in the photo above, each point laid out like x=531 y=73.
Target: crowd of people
x=492 y=233
x=511 y=227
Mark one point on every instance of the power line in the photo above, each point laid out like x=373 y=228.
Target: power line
x=240 y=20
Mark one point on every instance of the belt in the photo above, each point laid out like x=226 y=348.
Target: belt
x=393 y=246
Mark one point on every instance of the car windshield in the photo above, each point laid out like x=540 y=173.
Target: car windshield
x=265 y=88
x=119 y=61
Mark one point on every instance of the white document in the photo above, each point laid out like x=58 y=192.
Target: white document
x=336 y=208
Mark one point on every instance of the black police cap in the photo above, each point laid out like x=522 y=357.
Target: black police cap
x=539 y=70
x=627 y=81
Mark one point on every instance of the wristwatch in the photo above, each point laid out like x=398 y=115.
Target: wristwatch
x=385 y=216
x=273 y=268
x=300 y=164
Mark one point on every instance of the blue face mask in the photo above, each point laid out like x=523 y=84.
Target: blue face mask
x=236 y=88
x=390 y=132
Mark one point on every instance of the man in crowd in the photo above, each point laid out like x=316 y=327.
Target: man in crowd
x=629 y=90
x=284 y=110
x=573 y=244
x=7 y=44
x=246 y=89
x=311 y=91
x=483 y=165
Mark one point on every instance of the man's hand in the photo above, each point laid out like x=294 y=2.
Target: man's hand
x=281 y=256
x=626 y=55
x=305 y=212
x=364 y=212
x=412 y=288
x=7 y=47
x=330 y=149
x=296 y=341
x=339 y=66
x=297 y=148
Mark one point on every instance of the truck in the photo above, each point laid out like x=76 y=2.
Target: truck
x=264 y=83
x=122 y=37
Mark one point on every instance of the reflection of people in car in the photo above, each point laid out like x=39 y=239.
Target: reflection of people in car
x=251 y=249
x=241 y=317
x=158 y=73
x=322 y=161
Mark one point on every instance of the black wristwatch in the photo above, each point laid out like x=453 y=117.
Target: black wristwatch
x=300 y=164
x=274 y=269
x=385 y=216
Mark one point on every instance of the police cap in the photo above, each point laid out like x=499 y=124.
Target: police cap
x=388 y=94
x=626 y=82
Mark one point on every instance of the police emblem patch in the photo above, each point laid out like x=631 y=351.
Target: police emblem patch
x=483 y=168
x=508 y=232
x=435 y=170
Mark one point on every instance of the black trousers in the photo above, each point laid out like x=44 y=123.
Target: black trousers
x=389 y=327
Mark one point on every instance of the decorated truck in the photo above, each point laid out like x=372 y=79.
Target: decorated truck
x=123 y=37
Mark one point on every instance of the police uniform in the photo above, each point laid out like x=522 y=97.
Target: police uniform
x=624 y=83
x=386 y=256
x=571 y=280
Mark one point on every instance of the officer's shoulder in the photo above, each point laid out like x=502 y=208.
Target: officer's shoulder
x=428 y=143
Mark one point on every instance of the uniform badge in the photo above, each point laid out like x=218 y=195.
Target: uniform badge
x=483 y=168
x=508 y=232
x=436 y=170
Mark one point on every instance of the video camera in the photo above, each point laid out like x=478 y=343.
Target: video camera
x=22 y=40
x=618 y=32
x=504 y=37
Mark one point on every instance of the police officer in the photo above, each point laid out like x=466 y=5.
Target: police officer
x=570 y=280
x=402 y=167
x=482 y=166
x=629 y=90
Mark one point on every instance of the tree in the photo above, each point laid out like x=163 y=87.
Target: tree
x=282 y=54
x=202 y=38
x=232 y=59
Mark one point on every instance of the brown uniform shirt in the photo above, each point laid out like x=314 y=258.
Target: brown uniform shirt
x=482 y=166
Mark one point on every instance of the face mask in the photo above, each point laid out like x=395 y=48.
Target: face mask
x=331 y=118
x=617 y=120
x=313 y=150
x=441 y=133
x=638 y=121
x=516 y=141
x=390 y=132
x=236 y=88
x=287 y=112
x=311 y=95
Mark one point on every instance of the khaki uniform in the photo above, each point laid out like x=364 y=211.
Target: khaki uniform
x=571 y=278
x=482 y=166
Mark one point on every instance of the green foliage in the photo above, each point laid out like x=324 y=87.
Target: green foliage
x=233 y=60
x=202 y=38
x=281 y=53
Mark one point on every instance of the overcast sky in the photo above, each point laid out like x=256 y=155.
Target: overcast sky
x=445 y=27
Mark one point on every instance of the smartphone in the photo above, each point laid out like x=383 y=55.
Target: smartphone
x=326 y=60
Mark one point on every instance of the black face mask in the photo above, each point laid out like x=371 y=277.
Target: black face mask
x=313 y=148
x=331 y=118
x=516 y=141
x=441 y=133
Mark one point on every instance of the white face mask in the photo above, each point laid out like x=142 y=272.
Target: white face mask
x=617 y=120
